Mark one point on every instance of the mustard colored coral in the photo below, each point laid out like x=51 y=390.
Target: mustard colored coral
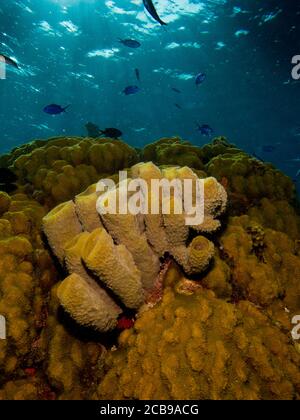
x=56 y=170
x=197 y=346
x=209 y=306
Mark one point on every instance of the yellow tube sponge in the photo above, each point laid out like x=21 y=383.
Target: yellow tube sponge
x=86 y=209
x=200 y=252
x=125 y=229
x=128 y=229
x=73 y=251
x=123 y=250
x=115 y=266
x=153 y=222
x=88 y=304
x=215 y=203
x=146 y=171
x=61 y=225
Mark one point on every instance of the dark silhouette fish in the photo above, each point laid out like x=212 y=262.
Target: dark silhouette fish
x=131 y=43
x=200 y=78
x=131 y=90
x=9 y=61
x=178 y=106
x=176 y=90
x=205 y=130
x=137 y=75
x=92 y=129
x=54 y=109
x=111 y=132
x=151 y=9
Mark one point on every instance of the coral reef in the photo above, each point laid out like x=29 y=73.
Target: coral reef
x=58 y=169
x=35 y=337
x=173 y=151
x=196 y=346
x=72 y=361
x=26 y=274
x=254 y=187
x=206 y=310
x=121 y=251
x=264 y=264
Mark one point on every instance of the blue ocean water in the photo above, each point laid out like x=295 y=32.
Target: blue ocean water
x=68 y=52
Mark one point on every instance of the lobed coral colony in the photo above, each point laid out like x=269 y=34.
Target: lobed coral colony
x=145 y=306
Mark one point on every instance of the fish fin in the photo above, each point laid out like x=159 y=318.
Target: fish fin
x=66 y=107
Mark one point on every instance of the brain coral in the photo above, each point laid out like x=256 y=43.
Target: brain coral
x=122 y=251
x=197 y=346
x=56 y=170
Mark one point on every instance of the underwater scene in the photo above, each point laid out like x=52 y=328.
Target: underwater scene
x=149 y=201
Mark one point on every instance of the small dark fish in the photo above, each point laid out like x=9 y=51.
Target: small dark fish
x=131 y=43
x=54 y=109
x=111 y=132
x=268 y=148
x=137 y=74
x=205 y=130
x=9 y=61
x=151 y=9
x=131 y=90
x=200 y=78
x=176 y=90
x=178 y=106
x=7 y=176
